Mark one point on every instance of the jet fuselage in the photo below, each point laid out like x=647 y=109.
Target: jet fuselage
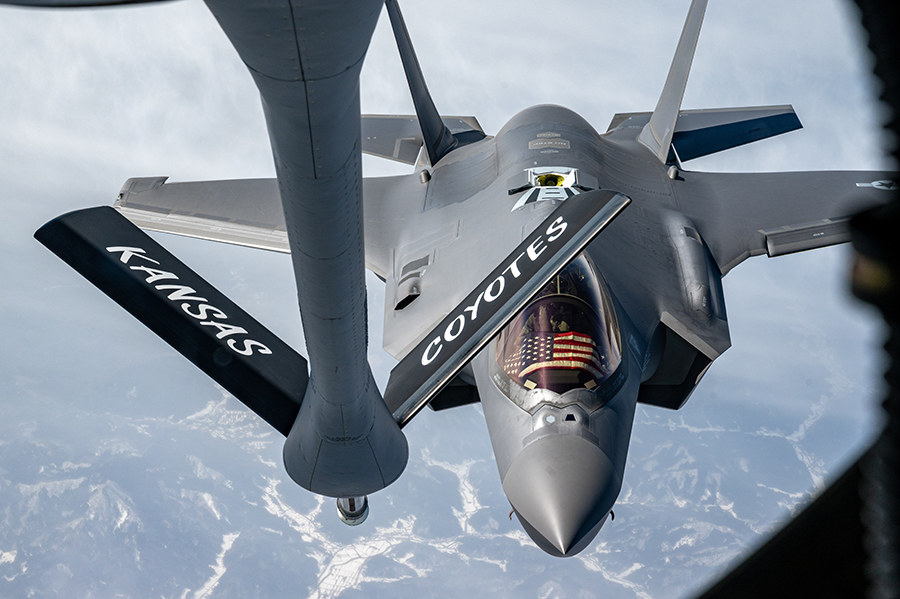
x=561 y=456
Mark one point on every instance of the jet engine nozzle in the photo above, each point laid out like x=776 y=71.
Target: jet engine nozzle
x=353 y=511
x=562 y=488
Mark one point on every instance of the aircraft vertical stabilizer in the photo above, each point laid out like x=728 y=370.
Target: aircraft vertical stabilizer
x=657 y=134
x=439 y=139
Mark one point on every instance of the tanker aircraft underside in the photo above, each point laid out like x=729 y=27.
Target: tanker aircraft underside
x=555 y=274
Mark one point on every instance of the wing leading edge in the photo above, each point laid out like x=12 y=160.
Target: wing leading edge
x=747 y=214
x=248 y=212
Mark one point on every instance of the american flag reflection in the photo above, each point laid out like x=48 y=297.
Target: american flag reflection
x=574 y=351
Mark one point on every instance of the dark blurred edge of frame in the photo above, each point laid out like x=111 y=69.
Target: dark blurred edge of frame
x=846 y=542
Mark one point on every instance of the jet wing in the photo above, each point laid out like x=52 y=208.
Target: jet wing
x=747 y=214
x=241 y=212
x=248 y=212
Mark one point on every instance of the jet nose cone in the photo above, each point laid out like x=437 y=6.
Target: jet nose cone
x=562 y=488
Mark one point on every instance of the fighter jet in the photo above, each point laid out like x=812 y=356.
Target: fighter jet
x=555 y=274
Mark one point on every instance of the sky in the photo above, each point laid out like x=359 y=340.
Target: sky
x=114 y=448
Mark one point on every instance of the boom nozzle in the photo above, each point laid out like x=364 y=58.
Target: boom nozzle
x=353 y=511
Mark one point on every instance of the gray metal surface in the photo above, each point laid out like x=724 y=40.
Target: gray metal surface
x=305 y=59
x=733 y=211
x=563 y=486
x=240 y=212
x=473 y=323
x=248 y=212
x=438 y=139
x=657 y=134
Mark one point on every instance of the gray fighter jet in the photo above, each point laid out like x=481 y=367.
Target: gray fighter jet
x=555 y=274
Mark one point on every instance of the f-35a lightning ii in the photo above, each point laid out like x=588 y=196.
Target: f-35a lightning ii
x=555 y=274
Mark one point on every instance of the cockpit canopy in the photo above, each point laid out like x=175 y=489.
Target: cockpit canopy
x=567 y=337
